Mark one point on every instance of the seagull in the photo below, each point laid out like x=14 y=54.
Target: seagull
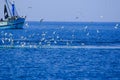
x=41 y=20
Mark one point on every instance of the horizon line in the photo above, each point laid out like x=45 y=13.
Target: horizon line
x=76 y=21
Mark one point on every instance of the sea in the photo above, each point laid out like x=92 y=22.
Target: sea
x=61 y=51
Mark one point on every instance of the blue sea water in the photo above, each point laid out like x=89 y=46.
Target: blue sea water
x=61 y=51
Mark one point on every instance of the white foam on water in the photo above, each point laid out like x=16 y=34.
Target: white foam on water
x=98 y=31
x=54 y=32
x=61 y=47
x=117 y=24
x=116 y=27
x=3 y=41
x=62 y=27
x=88 y=34
x=27 y=25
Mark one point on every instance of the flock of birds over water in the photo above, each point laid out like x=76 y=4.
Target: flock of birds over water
x=33 y=40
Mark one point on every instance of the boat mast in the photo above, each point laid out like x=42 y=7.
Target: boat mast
x=14 y=11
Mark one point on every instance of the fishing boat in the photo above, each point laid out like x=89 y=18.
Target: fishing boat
x=11 y=18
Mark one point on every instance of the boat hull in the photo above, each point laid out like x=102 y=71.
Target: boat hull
x=12 y=24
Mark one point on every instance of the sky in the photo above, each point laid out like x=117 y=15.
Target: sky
x=69 y=10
